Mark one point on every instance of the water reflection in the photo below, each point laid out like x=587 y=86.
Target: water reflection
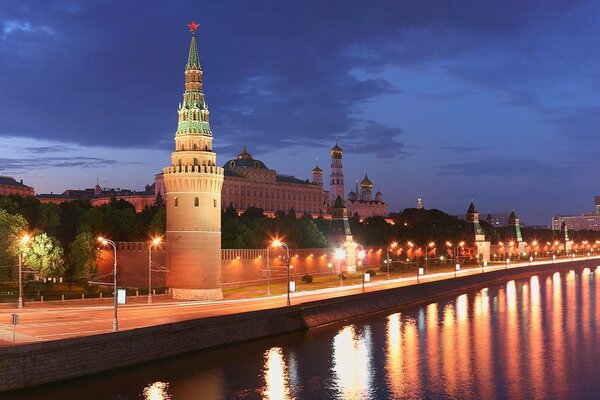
x=275 y=376
x=531 y=338
x=157 y=391
x=352 y=371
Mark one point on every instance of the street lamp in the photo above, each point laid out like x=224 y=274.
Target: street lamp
x=104 y=242
x=393 y=245
x=430 y=246
x=154 y=242
x=22 y=242
x=279 y=243
x=361 y=256
x=340 y=254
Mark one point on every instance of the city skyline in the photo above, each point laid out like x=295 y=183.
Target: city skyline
x=451 y=103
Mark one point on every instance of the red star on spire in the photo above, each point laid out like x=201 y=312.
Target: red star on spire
x=193 y=26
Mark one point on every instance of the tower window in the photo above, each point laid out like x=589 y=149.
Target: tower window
x=195 y=146
x=214 y=202
x=196 y=201
x=195 y=161
x=176 y=201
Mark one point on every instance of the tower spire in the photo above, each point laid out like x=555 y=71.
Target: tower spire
x=193 y=59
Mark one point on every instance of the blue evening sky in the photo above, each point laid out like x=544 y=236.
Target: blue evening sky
x=498 y=102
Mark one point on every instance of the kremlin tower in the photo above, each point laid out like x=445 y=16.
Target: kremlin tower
x=336 y=178
x=193 y=195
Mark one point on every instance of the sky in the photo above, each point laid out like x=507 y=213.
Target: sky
x=496 y=102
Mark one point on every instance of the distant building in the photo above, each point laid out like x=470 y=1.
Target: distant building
x=362 y=203
x=250 y=183
x=10 y=186
x=589 y=222
x=497 y=220
x=98 y=196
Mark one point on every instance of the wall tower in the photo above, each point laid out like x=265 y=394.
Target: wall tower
x=193 y=195
x=336 y=179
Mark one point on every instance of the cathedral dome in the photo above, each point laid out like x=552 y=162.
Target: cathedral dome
x=336 y=151
x=317 y=170
x=244 y=154
x=244 y=160
x=366 y=183
x=351 y=196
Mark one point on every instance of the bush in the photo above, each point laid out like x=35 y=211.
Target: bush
x=342 y=276
x=307 y=279
x=371 y=272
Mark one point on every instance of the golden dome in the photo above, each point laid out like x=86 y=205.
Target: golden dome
x=244 y=155
x=366 y=183
x=336 y=151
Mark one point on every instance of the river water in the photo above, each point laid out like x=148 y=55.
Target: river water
x=533 y=338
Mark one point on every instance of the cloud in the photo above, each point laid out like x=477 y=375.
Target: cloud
x=463 y=149
x=577 y=125
x=12 y=26
x=494 y=166
x=291 y=84
x=23 y=165
x=58 y=148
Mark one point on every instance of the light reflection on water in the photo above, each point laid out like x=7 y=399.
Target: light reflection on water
x=533 y=338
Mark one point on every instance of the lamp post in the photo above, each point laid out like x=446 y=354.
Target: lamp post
x=105 y=241
x=22 y=242
x=361 y=258
x=154 y=242
x=393 y=245
x=279 y=243
x=431 y=245
x=340 y=254
x=268 y=274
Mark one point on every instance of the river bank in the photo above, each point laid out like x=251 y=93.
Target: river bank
x=40 y=363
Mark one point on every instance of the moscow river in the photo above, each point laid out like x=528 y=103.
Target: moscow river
x=532 y=338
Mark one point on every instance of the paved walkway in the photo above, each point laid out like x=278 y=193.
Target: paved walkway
x=58 y=320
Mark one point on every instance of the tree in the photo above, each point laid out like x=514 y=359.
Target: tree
x=311 y=235
x=11 y=227
x=45 y=255
x=158 y=225
x=82 y=256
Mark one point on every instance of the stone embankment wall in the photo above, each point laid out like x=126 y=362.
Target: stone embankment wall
x=238 y=266
x=45 y=362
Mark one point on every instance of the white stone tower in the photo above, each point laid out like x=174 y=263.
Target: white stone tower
x=193 y=196
x=336 y=179
x=317 y=175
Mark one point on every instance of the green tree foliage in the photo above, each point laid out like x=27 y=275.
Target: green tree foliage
x=235 y=234
x=311 y=236
x=12 y=226
x=45 y=255
x=158 y=224
x=82 y=256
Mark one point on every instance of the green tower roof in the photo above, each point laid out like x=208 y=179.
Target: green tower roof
x=193 y=59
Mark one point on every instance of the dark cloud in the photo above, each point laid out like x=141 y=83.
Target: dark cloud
x=463 y=149
x=278 y=73
x=577 y=125
x=503 y=168
x=20 y=165
x=58 y=148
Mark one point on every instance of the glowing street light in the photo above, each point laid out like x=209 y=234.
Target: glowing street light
x=279 y=243
x=361 y=257
x=104 y=242
x=154 y=242
x=22 y=243
x=388 y=260
x=339 y=255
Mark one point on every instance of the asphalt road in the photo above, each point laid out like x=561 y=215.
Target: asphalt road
x=46 y=321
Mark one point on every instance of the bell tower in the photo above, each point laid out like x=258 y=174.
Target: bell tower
x=193 y=195
x=336 y=178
